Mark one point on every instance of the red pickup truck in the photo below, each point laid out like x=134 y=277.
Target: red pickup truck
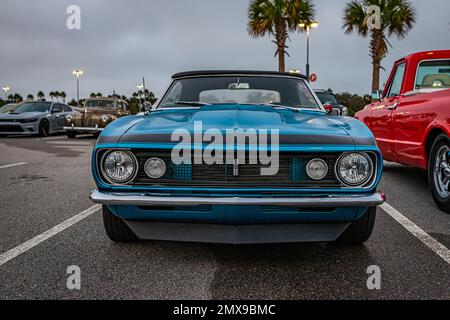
x=411 y=119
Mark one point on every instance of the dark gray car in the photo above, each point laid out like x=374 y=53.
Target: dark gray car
x=328 y=98
x=35 y=118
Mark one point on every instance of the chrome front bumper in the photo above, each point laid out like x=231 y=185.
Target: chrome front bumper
x=83 y=129
x=142 y=199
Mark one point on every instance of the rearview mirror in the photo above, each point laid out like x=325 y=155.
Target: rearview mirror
x=239 y=86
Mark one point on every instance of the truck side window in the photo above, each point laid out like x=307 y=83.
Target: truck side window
x=433 y=74
x=397 y=81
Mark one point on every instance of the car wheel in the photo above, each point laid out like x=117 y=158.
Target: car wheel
x=44 y=128
x=116 y=229
x=361 y=230
x=71 y=134
x=439 y=172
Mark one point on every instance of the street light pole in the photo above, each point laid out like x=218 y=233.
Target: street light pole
x=78 y=73
x=6 y=89
x=307 y=52
x=307 y=26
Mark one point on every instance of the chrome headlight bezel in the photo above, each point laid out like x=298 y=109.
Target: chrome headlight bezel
x=372 y=166
x=163 y=167
x=114 y=181
x=325 y=167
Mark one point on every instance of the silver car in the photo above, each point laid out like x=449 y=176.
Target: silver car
x=8 y=108
x=35 y=118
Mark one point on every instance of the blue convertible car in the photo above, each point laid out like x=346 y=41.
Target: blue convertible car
x=238 y=157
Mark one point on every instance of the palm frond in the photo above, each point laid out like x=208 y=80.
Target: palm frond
x=355 y=18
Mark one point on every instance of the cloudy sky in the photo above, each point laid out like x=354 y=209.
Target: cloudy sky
x=122 y=40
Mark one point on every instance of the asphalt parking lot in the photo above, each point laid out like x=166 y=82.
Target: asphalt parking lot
x=44 y=182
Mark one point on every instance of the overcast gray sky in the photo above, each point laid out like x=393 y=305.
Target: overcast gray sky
x=122 y=40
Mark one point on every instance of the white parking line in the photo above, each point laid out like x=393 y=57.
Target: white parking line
x=416 y=231
x=13 y=165
x=53 y=138
x=24 y=247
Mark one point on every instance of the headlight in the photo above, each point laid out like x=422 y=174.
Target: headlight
x=119 y=166
x=105 y=118
x=317 y=169
x=155 y=168
x=345 y=111
x=355 y=169
x=69 y=118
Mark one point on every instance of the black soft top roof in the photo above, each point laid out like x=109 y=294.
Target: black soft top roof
x=235 y=72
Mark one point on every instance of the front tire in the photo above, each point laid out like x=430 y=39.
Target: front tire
x=116 y=229
x=361 y=230
x=44 y=128
x=439 y=172
x=71 y=134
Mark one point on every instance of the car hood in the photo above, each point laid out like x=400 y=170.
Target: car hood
x=25 y=115
x=297 y=127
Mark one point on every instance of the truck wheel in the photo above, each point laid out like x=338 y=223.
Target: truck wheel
x=116 y=228
x=44 y=128
x=439 y=172
x=360 y=231
x=71 y=134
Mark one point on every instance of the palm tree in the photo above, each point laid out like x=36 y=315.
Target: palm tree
x=41 y=95
x=93 y=95
x=397 y=19
x=99 y=95
x=277 y=18
x=30 y=97
x=17 y=98
x=52 y=95
x=63 y=96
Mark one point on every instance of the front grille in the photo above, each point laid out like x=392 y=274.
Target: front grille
x=292 y=172
x=11 y=128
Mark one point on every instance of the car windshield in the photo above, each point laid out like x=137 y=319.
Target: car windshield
x=276 y=91
x=33 y=107
x=99 y=104
x=326 y=98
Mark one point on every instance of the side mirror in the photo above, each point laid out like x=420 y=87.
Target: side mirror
x=328 y=108
x=147 y=106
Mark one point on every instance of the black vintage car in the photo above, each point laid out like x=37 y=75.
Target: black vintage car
x=328 y=98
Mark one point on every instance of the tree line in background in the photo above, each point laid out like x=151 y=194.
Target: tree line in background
x=134 y=101
x=353 y=102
